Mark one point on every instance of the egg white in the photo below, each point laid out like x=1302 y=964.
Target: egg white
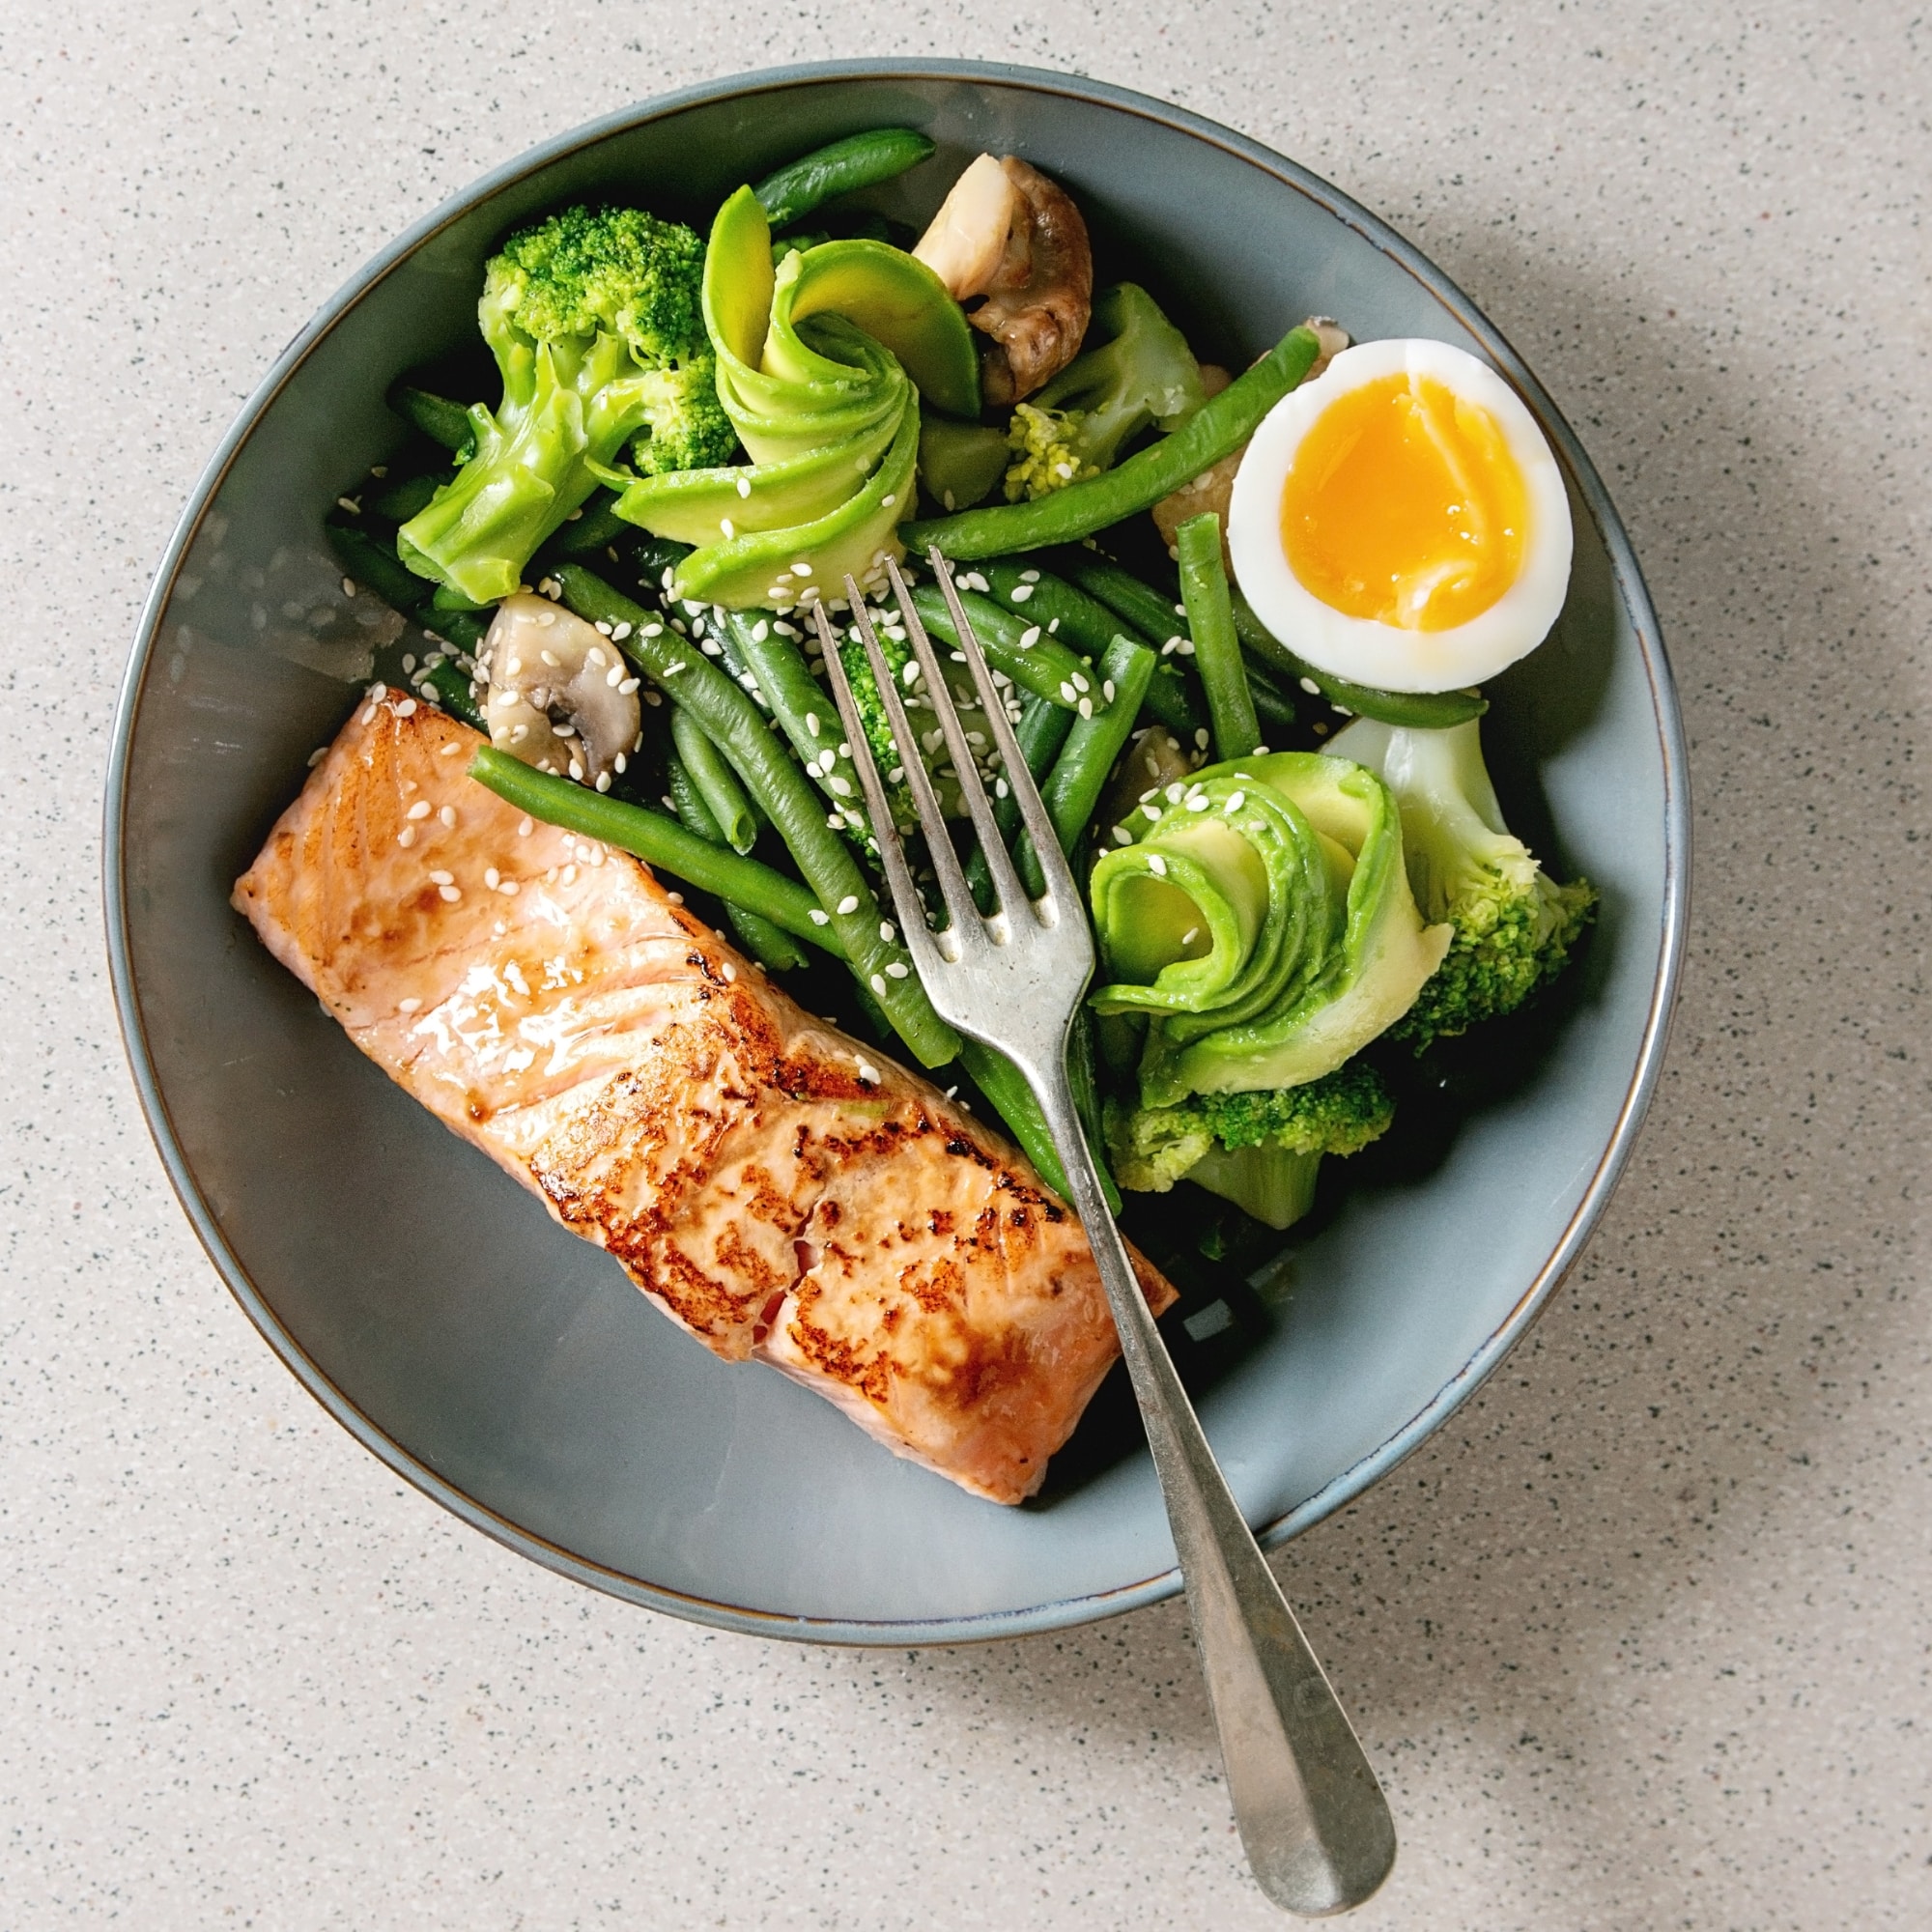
x=1363 y=649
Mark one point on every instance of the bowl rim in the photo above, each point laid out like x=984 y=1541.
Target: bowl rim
x=1063 y=1612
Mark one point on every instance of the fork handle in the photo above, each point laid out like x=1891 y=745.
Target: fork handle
x=1313 y=1819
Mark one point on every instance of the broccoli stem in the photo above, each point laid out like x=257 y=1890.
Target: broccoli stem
x=786 y=795
x=843 y=167
x=1217 y=651
x=660 y=840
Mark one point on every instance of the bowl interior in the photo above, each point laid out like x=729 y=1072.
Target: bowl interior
x=509 y=1367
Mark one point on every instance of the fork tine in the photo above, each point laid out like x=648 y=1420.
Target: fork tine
x=926 y=956
x=1054 y=870
x=1006 y=886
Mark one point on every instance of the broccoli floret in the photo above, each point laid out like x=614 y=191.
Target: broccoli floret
x=594 y=320
x=1259 y=1150
x=1513 y=925
x=1141 y=373
x=1043 y=452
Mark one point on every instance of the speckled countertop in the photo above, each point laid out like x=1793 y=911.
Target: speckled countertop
x=1640 y=1640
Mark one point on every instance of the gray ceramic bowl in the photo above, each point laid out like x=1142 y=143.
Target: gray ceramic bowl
x=508 y=1368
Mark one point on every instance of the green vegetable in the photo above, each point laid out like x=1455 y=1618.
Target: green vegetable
x=959 y=463
x=785 y=796
x=1430 y=710
x=660 y=840
x=436 y=416
x=1261 y=1150
x=1006 y=1087
x=802 y=707
x=450 y=689
x=1040 y=732
x=368 y=564
x=1262 y=918
x=1512 y=924
x=770 y=945
x=1090 y=625
x=1222 y=424
x=593 y=319
x=1044 y=666
x=1157 y=617
x=1079 y=775
x=813 y=366
x=842 y=167
x=1217 y=651
x=714 y=782
x=1142 y=374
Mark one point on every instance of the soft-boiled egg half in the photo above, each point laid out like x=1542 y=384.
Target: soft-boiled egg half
x=1401 y=522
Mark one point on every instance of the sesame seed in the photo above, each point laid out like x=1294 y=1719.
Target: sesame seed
x=1188 y=937
x=622 y=631
x=1021 y=592
x=727 y=526
x=1157 y=864
x=818 y=917
x=731 y=970
x=801 y=568
x=878 y=984
x=441 y=878
x=898 y=970
x=1199 y=802
x=493 y=878
x=628 y=684
x=449 y=817
x=603 y=780
x=1030 y=637
x=744 y=486
x=1067 y=691
x=888 y=500
x=1236 y=801
x=1150 y=812
x=570 y=876
x=421 y=808
x=451 y=894
x=838 y=787
x=868 y=1072
x=620 y=761
x=349 y=587
x=1107 y=689
x=812 y=723
x=1185 y=647
x=1122 y=836
x=408 y=1005
x=1080 y=682
x=677 y=899
x=1086 y=708
x=524 y=830
x=849 y=903
x=407 y=837
x=886 y=932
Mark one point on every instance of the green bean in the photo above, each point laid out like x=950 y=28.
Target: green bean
x=1041 y=731
x=436 y=416
x=450 y=689
x=859 y=161
x=800 y=707
x=1073 y=786
x=1013 y=1100
x=597 y=526
x=1273 y=707
x=1217 y=651
x=1045 y=667
x=774 y=779
x=770 y=945
x=1075 y=617
x=1220 y=425
x=398 y=502
x=713 y=780
x=1157 y=619
x=1426 y=710
x=660 y=840
x=413 y=597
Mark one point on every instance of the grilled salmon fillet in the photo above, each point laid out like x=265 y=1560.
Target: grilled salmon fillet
x=779 y=1190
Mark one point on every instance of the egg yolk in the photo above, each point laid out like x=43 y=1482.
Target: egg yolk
x=1405 y=505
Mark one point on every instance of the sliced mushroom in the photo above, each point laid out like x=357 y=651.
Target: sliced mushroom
x=1214 y=487
x=561 y=696
x=1019 y=241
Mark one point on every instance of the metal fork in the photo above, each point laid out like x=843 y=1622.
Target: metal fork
x=1312 y=1817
